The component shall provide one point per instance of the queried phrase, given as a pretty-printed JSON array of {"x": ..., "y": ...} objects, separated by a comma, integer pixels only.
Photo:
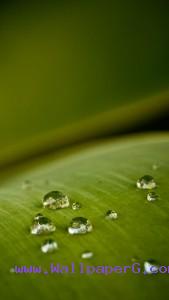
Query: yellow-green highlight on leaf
[{"x": 125, "y": 117}]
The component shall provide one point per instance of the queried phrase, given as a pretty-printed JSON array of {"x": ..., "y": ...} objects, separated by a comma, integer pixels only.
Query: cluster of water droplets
[
  {"x": 147, "y": 182},
  {"x": 42, "y": 225},
  {"x": 54, "y": 200}
]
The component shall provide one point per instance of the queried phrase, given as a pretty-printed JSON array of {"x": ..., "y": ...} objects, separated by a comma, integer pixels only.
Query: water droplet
[
  {"x": 150, "y": 266},
  {"x": 146, "y": 182},
  {"x": 42, "y": 225},
  {"x": 55, "y": 200},
  {"x": 111, "y": 215},
  {"x": 87, "y": 254},
  {"x": 12, "y": 270},
  {"x": 152, "y": 196},
  {"x": 49, "y": 246},
  {"x": 76, "y": 205},
  {"x": 80, "y": 225},
  {"x": 38, "y": 216},
  {"x": 26, "y": 185},
  {"x": 155, "y": 167}
]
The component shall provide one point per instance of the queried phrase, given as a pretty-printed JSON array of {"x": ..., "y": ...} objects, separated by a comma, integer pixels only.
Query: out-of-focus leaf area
[{"x": 71, "y": 70}]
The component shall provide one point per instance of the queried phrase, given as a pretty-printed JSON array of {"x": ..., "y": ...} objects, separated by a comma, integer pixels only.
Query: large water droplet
[
  {"x": 76, "y": 205},
  {"x": 87, "y": 254},
  {"x": 152, "y": 196},
  {"x": 49, "y": 246},
  {"x": 150, "y": 266},
  {"x": 80, "y": 225},
  {"x": 111, "y": 215},
  {"x": 42, "y": 225},
  {"x": 56, "y": 200},
  {"x": 146, "y": 182}
]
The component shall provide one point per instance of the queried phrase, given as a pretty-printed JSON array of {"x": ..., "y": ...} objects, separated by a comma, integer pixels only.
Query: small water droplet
[
  {"x": 56, "y": 200},
  {"x": 38, "y": 216},
  {"x": 150, "y": 266},
  {"x": 146, "y": 182},
  {"x": 80, "y": 225},
  {"x": 111, "y": 215},
  {"x": 76, "y": 205},
  {"x": 155, "y": 167},
  {"x": 49, "y": 246},
  {"x": 87, "y": 254},
  {"x": 12, "y": 270},
  {"x": 152, "y": 196},
  {"x": 42, "y": 225},
  {"x": 26, "y": 185}
]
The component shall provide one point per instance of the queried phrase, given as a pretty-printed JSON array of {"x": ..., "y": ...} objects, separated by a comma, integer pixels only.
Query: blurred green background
[{"x": 67, "y": 68}]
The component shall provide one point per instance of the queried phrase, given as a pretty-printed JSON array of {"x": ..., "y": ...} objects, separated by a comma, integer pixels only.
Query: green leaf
[
  {"x": 64, "y": 65},
  {"x": 100, "y": 177}
]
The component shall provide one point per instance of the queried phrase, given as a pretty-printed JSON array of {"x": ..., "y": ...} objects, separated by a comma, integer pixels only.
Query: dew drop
[
  {"x": 12, "y": 270},
  {"x": 56, "y": 200},
  {"x": 146, "y": 182},
  {"x": 42, "y": 225},
  {"x": 152, "y": 196},
  {"x": 111, "y": 215},
  {"x": 80, "y": 225},
  {"x": 76, "y": 205},
  {"x": 38, "y": 216},
  {"x": 86, "y": 255},
  {"x": 150, "y": 266},
  {"x": 49, "y": 246}
]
